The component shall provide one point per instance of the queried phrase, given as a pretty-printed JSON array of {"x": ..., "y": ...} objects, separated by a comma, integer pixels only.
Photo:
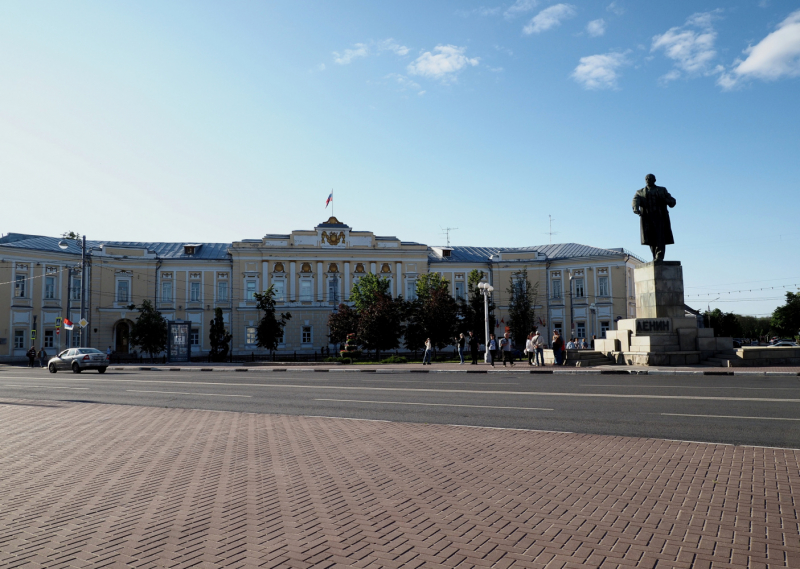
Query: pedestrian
[
  {"x": 491, "y": 347},
  {"x": 538, "y": 346},
  {"x": 42, "y": 358},
  {"x": 529, "y": 348},
  {"x": 31, "y": 356},
  {"x": 558, "y": 347},
  {"x": 108, "y": 353},
  {"x": 593, "y": 339},
  {"x": 461, "y": 341},
  {"x": 505, "y": 346},
  {"x": 571, "y": 345},
  {"x": 584, "y": 346},
  {"x": 473, "y": 348},
  {"x": 428, "y": 351}
]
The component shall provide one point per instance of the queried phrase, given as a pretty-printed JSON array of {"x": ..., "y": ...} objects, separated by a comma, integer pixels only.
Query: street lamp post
[
  {"x": 486, "y": 290},
  {"x": 571, "y": 313},
  {"x": 63, "y": 245}
]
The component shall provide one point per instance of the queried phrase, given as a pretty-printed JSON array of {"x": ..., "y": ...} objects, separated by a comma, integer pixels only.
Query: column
[
  {"x": 292, "y": 268},
  {"x": 264, "y": 274},
  {"x": 320, "y": 282},
  {"x": 346, "y": 291},
  {"x": 372, "y": 268},
  {"x": 398, "y": 286}
]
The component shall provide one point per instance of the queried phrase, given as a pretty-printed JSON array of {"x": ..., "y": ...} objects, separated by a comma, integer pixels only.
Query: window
[
  {"x": 333, "y": 289},
  {"x": 459, "y": 289},
  {"x": 250, "y": 335},
  {"x": 604, "y": 327},
  {"x": 250, "y": 289},
  {"x": 166, "y": 291},
  {"x": 123, "y": 291},
  {"x": 49, "y": 288},
  {"x": 280, "y": 290},
  {"x": 19, "y": 286},
  {"x": 194, "y": 292},
  {"x": 48, "y": 338},
  {"x": 557, "y": 327},
  {"x": 222, "y": 291},
  {"x": 75, "y": 289},
  {"x": 306, "y": 335},
  {"x": 305, "y": 290},
  {"x": 557, "y": 288},
  {"x": 411, "y": 289},
  {"x": 602, "y": 286},
  {"x": 76, "y": 339},
  {"x": 194, "y": 337},
  {"x": 578, "y": 285},
  {"x": 581, "y": 329},
  {"x": 19, "y": 339}
]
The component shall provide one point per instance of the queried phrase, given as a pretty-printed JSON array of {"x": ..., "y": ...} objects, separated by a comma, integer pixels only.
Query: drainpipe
[{"x": 159, "y": 262}]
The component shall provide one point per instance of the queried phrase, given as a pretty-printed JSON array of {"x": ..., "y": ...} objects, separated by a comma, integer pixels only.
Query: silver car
[{"x": 79, "y": 359}]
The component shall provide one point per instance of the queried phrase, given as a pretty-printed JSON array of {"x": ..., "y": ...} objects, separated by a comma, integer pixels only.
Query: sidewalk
[{"x": 84, "y": 485}]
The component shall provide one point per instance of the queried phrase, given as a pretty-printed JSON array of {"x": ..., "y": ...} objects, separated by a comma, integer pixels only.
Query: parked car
[
  {"x": 784, "y": 344},
  {"x": 79, "y": 359}
]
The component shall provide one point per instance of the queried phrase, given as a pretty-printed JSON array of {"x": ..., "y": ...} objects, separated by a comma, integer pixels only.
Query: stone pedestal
[{"x": 661, "y": 334}]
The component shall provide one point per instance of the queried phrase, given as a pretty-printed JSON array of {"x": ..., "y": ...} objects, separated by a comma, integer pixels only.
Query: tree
[
  {"x": 341, "y": 323},
  {"x": 785, "y": 320},
  {"x": 753, "y": 326},
  {"x": 150, "y": 330},
  {"x": 368, "y": 290},
  {"x": 472, "y": 309},
  {"x": 219, "y": 337},
  {"x": 522, "y": 305},
  {"x": 433, "y": 314},
  {"x": 380, "y": 325},
  {"x": 71, "y": 235},
  {"x": 725, "y": 324},
  {"x": 270, "y": 328}
]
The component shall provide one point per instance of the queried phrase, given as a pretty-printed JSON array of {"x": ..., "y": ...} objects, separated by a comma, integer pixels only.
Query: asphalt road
[{"x": 749, "y": 410}]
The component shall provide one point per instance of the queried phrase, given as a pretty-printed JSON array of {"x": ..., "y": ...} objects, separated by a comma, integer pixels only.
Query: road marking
[
  {"x": 186, "y": 393},
  {"x": 42, "y": 386},
  {"x": 450, "y": 391},
  {"x": 690, "y": 386},
  {"x": 731, "y": 417},
  {"x": 437, "y": 404}
]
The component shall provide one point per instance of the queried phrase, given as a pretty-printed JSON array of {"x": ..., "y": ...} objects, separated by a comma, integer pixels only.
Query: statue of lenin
[{"x": 650, "y": 204}]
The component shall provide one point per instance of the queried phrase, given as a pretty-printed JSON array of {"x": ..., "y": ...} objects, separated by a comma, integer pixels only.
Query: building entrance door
[{"x": 122, "y": 334}]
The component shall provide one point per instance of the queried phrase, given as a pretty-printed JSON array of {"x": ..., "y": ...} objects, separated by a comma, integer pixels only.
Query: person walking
[
  {"x": 428, "y": 352},
  {"x": 505, "y": 346},
  {"x": 31, "y": 356},
  {"x": 529, "y": 348},
  {"x": 492, "y": 349},
  {"x": 460, "y": 342},
  {"x": 473, "y": 348},
  {"x": 538, "y": 347},
  {"x": 42, "y": 357},
  {"x": 558, "y": 347}
]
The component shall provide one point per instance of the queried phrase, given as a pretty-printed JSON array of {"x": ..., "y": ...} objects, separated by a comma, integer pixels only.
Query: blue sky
[{"x": 219, "y": 121}]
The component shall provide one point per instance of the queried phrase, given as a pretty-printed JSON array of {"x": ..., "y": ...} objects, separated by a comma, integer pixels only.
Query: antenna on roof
[
  {"x": 551, "y": 232},
  {"x": 446, "y": 231}
]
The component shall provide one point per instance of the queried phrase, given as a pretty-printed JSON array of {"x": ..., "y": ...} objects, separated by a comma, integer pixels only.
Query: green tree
[
  {"x": 522, "y": 306},
  {"x": 270, "y": 328},
  {"x": 472, "y": 308},
  {"x": 785, "y": 320},
  {"x": 71, "y": 235},
  {"x": 219, "y": 337},
  {"x": 725, "y": 324},
  {"x": 150, "y": 330},
  {"x": 753, "y": 326},
  {"x": 433, "y": 314},
  {"x": 368, "y": 290},
  {"x": 380, "y": 325},
  {"x": 341, "y": 323}
]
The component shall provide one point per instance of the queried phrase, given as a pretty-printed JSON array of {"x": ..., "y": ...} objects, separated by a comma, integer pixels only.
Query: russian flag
[
  {"x": 68, "y": 324},
  {"x": 329, "y": 200}
]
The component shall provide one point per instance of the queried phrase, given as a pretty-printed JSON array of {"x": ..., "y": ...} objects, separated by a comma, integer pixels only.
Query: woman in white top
[
  {"x": 529, "y": 349},
  {"x": 428, "y": 351}
]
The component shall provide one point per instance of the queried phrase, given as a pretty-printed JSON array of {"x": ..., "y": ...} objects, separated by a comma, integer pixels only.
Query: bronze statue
[{"x": 650, "y": 204}]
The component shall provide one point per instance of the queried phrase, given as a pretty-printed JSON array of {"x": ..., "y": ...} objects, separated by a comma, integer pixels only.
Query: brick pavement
[{"x": 85, "y": 485}]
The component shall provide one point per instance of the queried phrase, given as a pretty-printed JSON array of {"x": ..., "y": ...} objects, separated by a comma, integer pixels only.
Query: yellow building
[{"x": 312, "y": 272}]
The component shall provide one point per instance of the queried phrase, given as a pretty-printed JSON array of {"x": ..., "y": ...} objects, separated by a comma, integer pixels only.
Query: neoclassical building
[{"x": 581, "y": 288}]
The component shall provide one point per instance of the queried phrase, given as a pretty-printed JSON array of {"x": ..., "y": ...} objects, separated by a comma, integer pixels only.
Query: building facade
[{"x": 580, "y": 288}]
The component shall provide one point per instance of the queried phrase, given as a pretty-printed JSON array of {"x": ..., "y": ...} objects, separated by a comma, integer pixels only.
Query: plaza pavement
[{"x": 87, "y": 485}]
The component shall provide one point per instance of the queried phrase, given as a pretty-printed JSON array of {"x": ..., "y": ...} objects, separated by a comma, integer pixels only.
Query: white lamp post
[
  {"x": 486, "y": 289},
  {"x": 63, "y": 245}
]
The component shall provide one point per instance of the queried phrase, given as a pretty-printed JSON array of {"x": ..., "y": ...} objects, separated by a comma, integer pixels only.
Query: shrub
[{"x": 395, "y": 360}]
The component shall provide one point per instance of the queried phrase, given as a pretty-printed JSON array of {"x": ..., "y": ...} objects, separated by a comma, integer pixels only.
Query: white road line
[
  {"x": 691, "y": 386},
  {"x": 186, "y": 393},
  {"x": 42, "y": 386},
  {"x": 731, "y": 417},
  {"x": 437, "y": 404},
  {"x": 450, "y": 391}
]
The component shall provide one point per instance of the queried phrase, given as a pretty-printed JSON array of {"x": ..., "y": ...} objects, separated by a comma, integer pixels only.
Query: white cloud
[
  {"x": 403, "y": 82},
  {"x": 615, "y": 8},
  {"x": 776, "y": 56},
  {"x": 480, "y": 11},
  {"x": 600, "y": 71},
  {"x": 444, "y": 63},
  {"x": 520, "y": 7},
  {"x": 365, "y": 49},
  {"x": 596, "y": 28},
  {"x": 549, "y": 18},
  {"x": 690, "y": 47}
]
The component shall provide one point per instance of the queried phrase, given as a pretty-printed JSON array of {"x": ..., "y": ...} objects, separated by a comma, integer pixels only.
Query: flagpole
[{"x": 332, "y": 214}]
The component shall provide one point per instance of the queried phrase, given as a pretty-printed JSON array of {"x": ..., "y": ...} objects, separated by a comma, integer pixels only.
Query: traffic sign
[
  {"x": 58, "y": 331},
  {"x": 58, "y": 322},
  {"x": 33, "y": 334},
  {"x": 83, "y": 322}
]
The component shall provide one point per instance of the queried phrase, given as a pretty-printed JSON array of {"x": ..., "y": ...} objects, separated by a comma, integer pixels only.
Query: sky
[{"x": 221, "y": 121}]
